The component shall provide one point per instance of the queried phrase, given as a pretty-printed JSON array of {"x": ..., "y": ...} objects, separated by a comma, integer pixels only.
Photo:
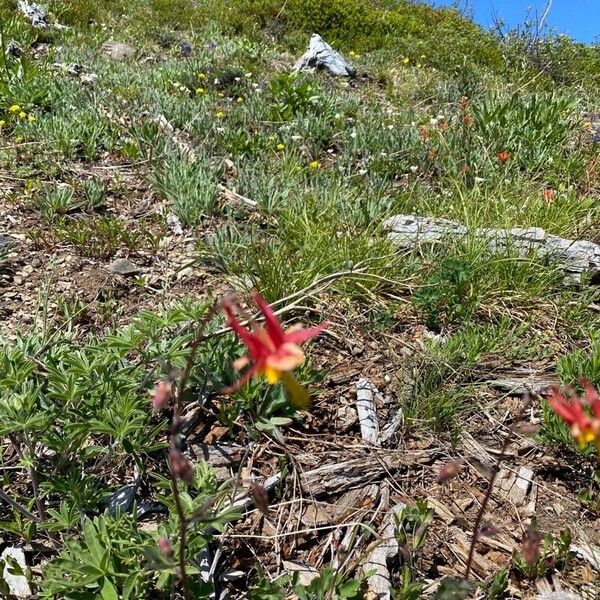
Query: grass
[{"x": 469, "y": 129}]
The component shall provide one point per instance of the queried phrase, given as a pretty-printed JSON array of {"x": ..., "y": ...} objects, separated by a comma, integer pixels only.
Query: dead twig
[{"x": 495, "y": 469}]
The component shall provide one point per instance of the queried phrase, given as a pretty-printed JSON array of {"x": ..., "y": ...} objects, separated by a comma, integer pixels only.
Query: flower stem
[
  {"x": 182, "y": 535},
  {"x": 488, "y": 494}
]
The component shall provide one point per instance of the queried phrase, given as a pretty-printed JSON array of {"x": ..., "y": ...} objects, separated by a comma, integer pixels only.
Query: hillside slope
[{"x": 161, "y": 156}]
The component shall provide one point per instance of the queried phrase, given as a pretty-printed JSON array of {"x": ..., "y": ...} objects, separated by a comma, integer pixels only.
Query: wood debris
[
  {"x": 574, "y": 257},
  {"x": 306, "y": 574},
  {"x": 367, "y": 413},
  {"x": 380, "y": 583},
  {"x": 519, "y": 489},
  {"x": 340, "y": 476}
]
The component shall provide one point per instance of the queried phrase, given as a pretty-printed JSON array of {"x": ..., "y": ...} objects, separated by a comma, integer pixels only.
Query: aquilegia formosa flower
[
  {"x": 585, "y": 426},
  {"x": 272, "y": 352}
]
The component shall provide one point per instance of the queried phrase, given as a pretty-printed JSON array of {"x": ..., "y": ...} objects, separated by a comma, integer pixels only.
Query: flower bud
[
  {"x": 165, "y": 546},
  {"x": 161, "y": 395},
  {"x": 530, "y": 545},
  {"x": 449, "y": 471},
  {"x": 259, "y": 495},
  {"x": 180, "y": 466}
]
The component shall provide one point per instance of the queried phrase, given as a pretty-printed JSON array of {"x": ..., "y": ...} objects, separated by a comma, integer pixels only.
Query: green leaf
[
  {"x": 349, "y": 589},
  {"x": 130, "y": 585},
  {"x": 91, "y": 539},
  {"x": 162, "y": 580},
  {"x": 128, "y": 446},
  {"x": 91, "y": 571},
  {"x": 108, "y": 591}
]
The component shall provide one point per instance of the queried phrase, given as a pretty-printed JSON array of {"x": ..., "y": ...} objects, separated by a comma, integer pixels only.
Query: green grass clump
[
  {"x": 190, "y": 185},
  {"x": 443, "y": 391}
]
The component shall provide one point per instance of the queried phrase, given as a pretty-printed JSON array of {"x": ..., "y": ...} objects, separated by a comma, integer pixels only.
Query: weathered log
[
  {"x": 573, "y": 257},
  {"x": 343, "y": 474},
  {"x": 321, "y": 55}
]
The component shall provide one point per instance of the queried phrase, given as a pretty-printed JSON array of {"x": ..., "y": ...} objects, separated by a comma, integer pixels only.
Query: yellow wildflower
[
  {"x": 2, "y": 123},
  {"x": 423, "y": 57},
  {"x": 15, "y": 108},
  {"x": 31, "y": 118},
  {"x": 406, "y": 60},
  {"x": 221, "y": 95},
  {"x": 352, "y": 53},
  {"x": 315, "y": 164},
  {"x": 22, "y": 114},
  {"x": 220, "y": 114},
  {"x": 280, "y": 146},
  {"x": 201, "y": 76},
  {"x": 200, "y": 90},
  {"x": 419, "y": 65},
  {"x": 240, "y": 100}
]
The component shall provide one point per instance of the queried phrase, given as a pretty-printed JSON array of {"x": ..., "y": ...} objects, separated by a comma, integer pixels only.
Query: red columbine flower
[
  {"x": 503, "y": 156},
  {"x": 272, "y": 352},
  {"x": 585, "y": 427}
]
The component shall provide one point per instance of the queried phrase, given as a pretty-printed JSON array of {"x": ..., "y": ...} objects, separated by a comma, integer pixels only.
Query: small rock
[
  {"x": 14, "y": 49},
  {"x": 88, "y": 78},
  {"x": 185, "y": 273},
  {"x": 123, "y": 266},
  {"x": 6, "y": 241},
  {"x": 306, "y": 573},
  {"x": 321, "y": 55},
  {"x": 174, "y": 224},
  {"x": 17, "y": 584},
  {"x": 35, "y": 13},
  {"x": 118, "y": 50}
]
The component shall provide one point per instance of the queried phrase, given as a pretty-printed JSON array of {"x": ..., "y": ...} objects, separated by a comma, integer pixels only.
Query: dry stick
[
  {"x": 34, "y": 481},
  {"x": 488, "y": 494},
  {"x": 32, "y": 474},
  {"x": 4, "y": 496}
]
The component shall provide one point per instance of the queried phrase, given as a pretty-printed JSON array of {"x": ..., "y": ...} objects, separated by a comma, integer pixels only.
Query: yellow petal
[
  {"x": 297, "y": 394},
  {"x": 272, "y": 375}
]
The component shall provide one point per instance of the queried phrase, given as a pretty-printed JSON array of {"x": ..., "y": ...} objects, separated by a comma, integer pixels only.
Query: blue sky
[{"x": 578, "y": 18}]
